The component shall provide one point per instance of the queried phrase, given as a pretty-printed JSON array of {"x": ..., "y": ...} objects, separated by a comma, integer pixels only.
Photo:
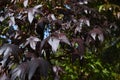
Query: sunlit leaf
[
  {"x": 100, "y": 8},
  {"x": 54, "y": 42},
  {"x": 20, "y": 71},
  {"x": 30, "y": 15},
  {"x": 25, "y": 3},
  {"x": 32, "y": 41},
  {"x": 31, "y": 12},
  {"x": 97, "y": 33}
]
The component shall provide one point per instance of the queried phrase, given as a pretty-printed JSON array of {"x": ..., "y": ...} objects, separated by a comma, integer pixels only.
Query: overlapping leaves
[
  {"x": 72, "y": 22},
  {"x": 54, "y": 40},
  {"x": 32, "y": 41},
  {"x": 8, "y": 50},
  {"x": 29, "y": 68}
]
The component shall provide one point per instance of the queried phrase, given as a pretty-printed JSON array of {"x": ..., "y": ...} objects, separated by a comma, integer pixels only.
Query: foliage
[{"x": 59, "y": 39}]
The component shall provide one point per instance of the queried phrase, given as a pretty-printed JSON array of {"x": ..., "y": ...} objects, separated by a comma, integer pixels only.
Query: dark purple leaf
[
  {"x": 54, "y": 42},
  {"x": 97, "y": 33},
  {"x": 31, "y": 12},
  {"x": 7, "y": 50},
  {"x": 32, "y": 41},
  {"x": 20, "y": 71},
  {"x": 29, "y": 68},
  {"x": 57, "y": 37},
  {"x": 64, "y": 39}
]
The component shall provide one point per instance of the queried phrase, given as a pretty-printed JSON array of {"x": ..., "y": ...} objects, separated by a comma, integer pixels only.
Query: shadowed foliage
[{"x": 59, "y": 40}]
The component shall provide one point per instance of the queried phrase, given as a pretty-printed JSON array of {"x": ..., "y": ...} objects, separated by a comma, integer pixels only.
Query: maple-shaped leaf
[
  {"x": 97, "y": 33},
  {"x": 29, "y": 68},
  {"x": 20, "y": 71},
  {"x": 79, "y": 48},
  {"x": 31, "y": 12},
  {"x": 32, "y": 41},
  {"x": 54, "y": 40},
  {"x": 63, "y": 38},
  {"x": 8, "y": 50},
  {"x": 82, "y": 21}
]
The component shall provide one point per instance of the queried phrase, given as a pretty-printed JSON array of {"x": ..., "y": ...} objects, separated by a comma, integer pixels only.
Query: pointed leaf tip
[
  {"x": 54, "y": 42},
  {"x": 30, "y": 15},
  {"x": 25, "y": 3}
]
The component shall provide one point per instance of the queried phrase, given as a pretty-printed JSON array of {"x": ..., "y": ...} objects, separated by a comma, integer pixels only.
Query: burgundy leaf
[
  {"x": 9, "y": 49},
  {"x": 97, "y": 33},
  {"x": 56, "y": 38},
  {"x": 63, "y": 38},
  {"x": 32, "y": 41},
  {"x": 40, "y": 63},
  {"x": 54, "y": 42},
  {"x": 43, "y": 42},
  {"x": 83, "y": 21},
  {"x": 29, "y": 68},
  {"x": 20, "y": 71},
  {"x": 31, "y": 12}
]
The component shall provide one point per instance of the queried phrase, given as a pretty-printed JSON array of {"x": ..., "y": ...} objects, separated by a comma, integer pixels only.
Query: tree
[{"x": 59, "y": 39}]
